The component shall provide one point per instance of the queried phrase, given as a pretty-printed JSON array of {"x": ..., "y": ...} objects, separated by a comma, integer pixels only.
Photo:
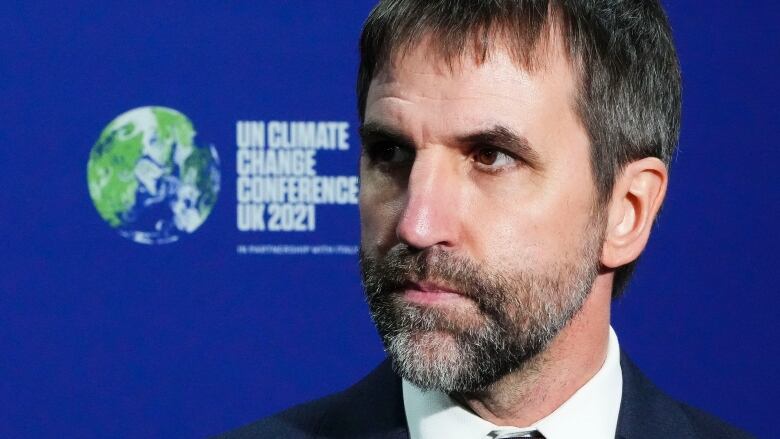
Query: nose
[{"x": 431, "y": 214}]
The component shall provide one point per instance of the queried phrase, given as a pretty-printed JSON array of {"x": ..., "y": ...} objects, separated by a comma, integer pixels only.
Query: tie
[{"x": 515, "y": 434}]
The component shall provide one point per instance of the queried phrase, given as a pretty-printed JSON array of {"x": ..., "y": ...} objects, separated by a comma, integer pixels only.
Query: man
[{"x": 515, "y": 156}]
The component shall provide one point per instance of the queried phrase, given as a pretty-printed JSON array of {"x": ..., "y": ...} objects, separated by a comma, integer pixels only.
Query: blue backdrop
[{"x": 103, "y": 337}]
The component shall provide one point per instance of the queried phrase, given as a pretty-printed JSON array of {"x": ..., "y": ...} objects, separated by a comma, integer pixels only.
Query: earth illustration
[{"x": 148, "y": 179}]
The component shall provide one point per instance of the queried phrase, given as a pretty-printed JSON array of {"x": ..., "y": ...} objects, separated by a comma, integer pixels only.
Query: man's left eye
[{"x": 493, "y": 158}]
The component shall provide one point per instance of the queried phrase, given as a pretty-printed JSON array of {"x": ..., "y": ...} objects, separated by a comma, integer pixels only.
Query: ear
[{"x": 636, "y": 198}]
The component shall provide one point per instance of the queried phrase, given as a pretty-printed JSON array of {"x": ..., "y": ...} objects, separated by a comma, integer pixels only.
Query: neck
[{"x": 538, "y": 388}]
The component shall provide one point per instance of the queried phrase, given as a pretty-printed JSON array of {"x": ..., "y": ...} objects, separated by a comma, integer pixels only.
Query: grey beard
[{"x": 520, "y": 313}]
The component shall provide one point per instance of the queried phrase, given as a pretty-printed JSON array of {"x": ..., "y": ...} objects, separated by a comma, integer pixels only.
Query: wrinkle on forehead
[{"x": 423, "y": 63}]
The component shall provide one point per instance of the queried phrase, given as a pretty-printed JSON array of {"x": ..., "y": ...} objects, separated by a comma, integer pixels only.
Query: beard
[{"x": 511, "y": 317}]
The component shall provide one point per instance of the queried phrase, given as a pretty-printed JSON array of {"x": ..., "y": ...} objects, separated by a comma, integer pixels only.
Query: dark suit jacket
[{"x": 373, "y": 409}]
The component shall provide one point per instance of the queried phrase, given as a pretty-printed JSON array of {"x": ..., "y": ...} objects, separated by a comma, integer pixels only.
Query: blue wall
[{"x": 103, "y": 337}]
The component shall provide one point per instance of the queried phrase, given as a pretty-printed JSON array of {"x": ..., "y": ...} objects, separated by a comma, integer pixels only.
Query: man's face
[{"x": 480, "y": 237}]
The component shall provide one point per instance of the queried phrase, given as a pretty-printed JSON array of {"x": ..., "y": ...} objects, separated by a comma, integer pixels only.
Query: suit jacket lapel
[
  {"x": 371, "y": 409},
  {"x": 645, "y": 411}
]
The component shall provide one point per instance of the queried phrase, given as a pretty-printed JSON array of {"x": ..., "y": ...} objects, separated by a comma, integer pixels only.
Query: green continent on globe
[
  {"x": 173, "y": 128},
  {"x": 112, "y": 184}
]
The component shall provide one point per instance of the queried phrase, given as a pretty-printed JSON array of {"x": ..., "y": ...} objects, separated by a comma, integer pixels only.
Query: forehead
[{"x": 420, "y": 86}]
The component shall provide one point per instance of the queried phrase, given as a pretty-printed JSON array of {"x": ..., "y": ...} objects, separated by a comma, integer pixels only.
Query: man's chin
[
  {"x": 430, "y": 359},
  {"x": 451, "y": 359},
  {"x": 435, "y": 346}
]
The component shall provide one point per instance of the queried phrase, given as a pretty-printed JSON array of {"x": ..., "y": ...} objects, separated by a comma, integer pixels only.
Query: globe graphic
[{"x": 148, "y": 179}]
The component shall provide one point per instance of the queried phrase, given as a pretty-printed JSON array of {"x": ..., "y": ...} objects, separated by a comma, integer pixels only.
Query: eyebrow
[
  {"x": 371, "y": 131},
  {"x": 502, "y": 137},
  {"x": 497, "y": 136}
]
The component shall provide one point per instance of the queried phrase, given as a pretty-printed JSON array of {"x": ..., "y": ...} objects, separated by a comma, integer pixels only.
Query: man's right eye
[{"x": 389, "y": 153}]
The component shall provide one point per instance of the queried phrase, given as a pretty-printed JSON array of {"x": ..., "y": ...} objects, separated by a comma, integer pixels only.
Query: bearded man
[{"x": 515, "y": 156}]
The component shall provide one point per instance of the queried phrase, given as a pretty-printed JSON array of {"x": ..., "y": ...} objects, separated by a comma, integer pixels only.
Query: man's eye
[
  {"x": 493, "y": 158},
  {"x": 389, "y": 153}
]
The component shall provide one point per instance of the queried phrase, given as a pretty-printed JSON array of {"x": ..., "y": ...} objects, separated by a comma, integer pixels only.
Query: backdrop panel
[{"x": 112, "y": 113}]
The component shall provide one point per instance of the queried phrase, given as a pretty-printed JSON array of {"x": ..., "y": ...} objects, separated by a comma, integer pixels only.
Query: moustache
[{"x": 392, "y": 273}]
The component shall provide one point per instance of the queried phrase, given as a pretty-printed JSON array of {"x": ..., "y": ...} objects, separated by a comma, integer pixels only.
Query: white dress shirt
[{"x": 590, "y": 413}]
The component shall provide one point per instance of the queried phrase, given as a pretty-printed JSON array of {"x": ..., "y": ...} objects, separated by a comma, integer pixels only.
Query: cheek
[
  {"x": 507, "y": 240},
  {"x": 380, "y": 210},
  {"x": 533, "y": 230}
]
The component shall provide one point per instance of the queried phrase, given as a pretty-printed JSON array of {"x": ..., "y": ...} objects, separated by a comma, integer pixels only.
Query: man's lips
[{"x": 429, "y": 292}]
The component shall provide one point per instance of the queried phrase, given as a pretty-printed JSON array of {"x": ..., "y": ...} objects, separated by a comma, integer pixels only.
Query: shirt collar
[{"x": 590, "y": 413}]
